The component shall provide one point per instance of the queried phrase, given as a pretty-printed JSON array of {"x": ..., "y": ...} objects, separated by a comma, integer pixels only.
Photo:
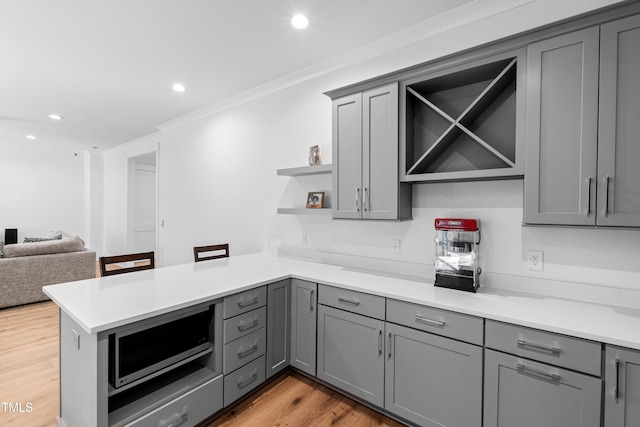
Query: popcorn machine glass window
[{"x": 457, "y": 243}]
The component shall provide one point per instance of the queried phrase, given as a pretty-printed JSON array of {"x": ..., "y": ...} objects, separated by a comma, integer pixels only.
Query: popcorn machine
[{"x": 457, "y": 243}]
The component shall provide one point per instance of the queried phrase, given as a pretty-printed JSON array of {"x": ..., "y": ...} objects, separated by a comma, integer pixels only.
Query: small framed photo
[{"x": 315, "y": 199}]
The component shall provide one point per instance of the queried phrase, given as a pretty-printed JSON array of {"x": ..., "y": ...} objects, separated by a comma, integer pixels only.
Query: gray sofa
[{"x": 26, "y": 267}]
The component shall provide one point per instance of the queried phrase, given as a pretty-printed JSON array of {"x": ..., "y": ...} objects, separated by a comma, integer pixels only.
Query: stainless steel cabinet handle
[
  {"x": 364, "y": 198},
  {"x": 555, "y": 351},
  {"x": 429, "y": 321},
  {"x": 357, "y": 200},
  {"x": 389, "y": 348},
  {"x": 311, "y": 300},
  {"x": 617, "y": 391},
  {"x": 348, "y": 301},
  {"x": 589, "y": 196},
  {"x": 253, "y": 324},
  {"x": 242, "y": 385},
  {"x": 243, "y": 304},
  {"x": 380, "y": 342},
  {"x": 543, "y": 375},
  {"x": 175, "y": 420},
  {"x": 606, "y": 198},
  {"x": 243, "y": 354}
]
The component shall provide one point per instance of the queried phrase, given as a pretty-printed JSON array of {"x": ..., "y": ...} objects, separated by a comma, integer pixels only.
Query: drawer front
[
  {"x": 244, "y": 324},
  {"x": 242, "y": 381},
  {"x": 441, "y": 322},
  {"x": 188, "y": 409},
  {"x": 554, "y": 349},
  {"x": 353, "y": 301},
  {"x": 244, "y": 350},
  {"x": 244, "y": 301}
]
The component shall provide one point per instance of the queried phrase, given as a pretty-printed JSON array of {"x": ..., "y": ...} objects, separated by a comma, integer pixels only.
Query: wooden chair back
[
  {"x": 137, "y": 259},
  {"x": 221, "y": 251}
]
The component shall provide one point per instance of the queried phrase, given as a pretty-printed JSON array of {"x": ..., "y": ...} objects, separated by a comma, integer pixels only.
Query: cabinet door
[
  {"x": 350, "y": 353},
  {"x": 347, "y": 156},
  {"x": 432, "y": 380},
  {"x": 622, "y": 388},
  {"x": 522, "y": 393},
  {"x": 561, "y": 130},
  {"x": 380, "y": 153},
  {"x": 278, "y": 326},
  {"x": 619, "y": 133},
  {"x": 303, "y": 325}
]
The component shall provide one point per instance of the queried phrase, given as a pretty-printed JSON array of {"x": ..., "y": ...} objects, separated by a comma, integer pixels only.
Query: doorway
[{"x": 142, "y": 203}]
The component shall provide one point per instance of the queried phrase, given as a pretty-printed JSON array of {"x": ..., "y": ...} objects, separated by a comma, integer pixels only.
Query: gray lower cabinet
[
  {"x": 278, "y": 326},
  {"x": 304, "y": 298},
  {"x": 432, "y": 380},
  {"x": 351, "y": 353},
  {"x": 622, "y": 387},
  {"x": 520, "y": 392}
]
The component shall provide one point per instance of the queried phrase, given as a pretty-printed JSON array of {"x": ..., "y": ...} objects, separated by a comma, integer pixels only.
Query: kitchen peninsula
[{"x": 569, "y": 337}]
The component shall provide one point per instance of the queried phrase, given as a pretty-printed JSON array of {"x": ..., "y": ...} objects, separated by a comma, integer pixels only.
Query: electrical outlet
[
  {"x": 395, "y": 246},
  {"x": 303, "y": 238},
  {"x": 535, "y": 260}
]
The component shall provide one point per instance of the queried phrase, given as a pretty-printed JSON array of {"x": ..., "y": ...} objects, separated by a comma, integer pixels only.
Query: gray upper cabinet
[
  {"x": 619, "y": 132},
  {"x": 583, "y": 101},
  {"x": 278, "y": 326},
  {"x": 622, "y": 391},
  {"x": 365, "y": 156},
  {"x": 304, "y": 299}
]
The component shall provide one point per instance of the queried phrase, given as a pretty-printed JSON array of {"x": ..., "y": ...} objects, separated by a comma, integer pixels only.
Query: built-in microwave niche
[{"x": 464, "y": 122}]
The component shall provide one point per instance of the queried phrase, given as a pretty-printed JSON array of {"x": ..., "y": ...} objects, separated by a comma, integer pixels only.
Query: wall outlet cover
[{"x": 535, "y": 260}]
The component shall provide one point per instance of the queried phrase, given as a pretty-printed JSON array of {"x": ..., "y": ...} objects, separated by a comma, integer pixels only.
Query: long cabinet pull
[
  {"x": 606, "y": 194},
  {"x": 380, "y": 342},
  {"x": 589, "y": 196},
  {"x": 533, "y": 372},
  {"x": 364, "y": 198},
  {"x": 175, "y": 420},
  {"x": 555, "y": 351},
  {"x": 243, "y": 354},
  {"x": 430, "y": 321},
  {"x": 243, "y": 328},
  {"x": 389, "y": 348},
  {"x": 357, "y": 200},
  {"x": 252, "y": 301},
  {"x": 311, "y": 300},
  {"x": 617, "y": 391},
  {"x": 348, "y": 301},
  {"x": 242, "y": 385}
]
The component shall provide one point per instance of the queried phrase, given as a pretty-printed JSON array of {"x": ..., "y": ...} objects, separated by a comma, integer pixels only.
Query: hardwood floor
[{"x": 29, "y": 376}]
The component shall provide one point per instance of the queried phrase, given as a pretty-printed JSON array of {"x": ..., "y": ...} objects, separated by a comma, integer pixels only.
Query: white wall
[
  {"x": 218, "y": 179},
  {"x": 41, "y": 191}
]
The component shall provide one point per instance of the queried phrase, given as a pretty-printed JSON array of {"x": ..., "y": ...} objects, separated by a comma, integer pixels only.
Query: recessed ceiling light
[
  {"x": 178, "y": 87},
  {"x": 31, "y": 137},
  {"x": 300, "y": 22},
  {"x": 55, "y": 116}
]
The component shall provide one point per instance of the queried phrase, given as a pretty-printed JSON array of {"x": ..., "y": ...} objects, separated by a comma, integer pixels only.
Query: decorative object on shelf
[
  {"x": 314, "y": 156},
  {"x": 315, "y": 199}
]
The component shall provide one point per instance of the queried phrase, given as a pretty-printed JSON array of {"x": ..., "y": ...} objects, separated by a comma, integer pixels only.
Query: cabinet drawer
[
  {"x": 244, "y": 301},
  {"x": 244, "y": 324},
  {"x": 244, "y": 350},
  {"x": 188, "y": 409},
  {"x": 354, "y": 301},
  {"x": 242, "y": 381},
  {"x": 441, "y": 322},
  {"x": 555, "y": 349}
]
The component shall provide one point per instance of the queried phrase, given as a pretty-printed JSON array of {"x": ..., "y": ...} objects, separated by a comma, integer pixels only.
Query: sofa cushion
[
  {"x": 73, "y": 244},
  {"x": 42, "y": 239}
]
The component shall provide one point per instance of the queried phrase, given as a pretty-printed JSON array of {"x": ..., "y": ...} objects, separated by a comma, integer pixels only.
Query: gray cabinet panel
[
  {"x": 562, "y": 121},
  {"x": 303, "y": 325},
  {"x": 244, "y": 324},
  {"x": 535, "y": 394},
  {"x": 347, "y": 156},
  {"x": 350, "y": 353},
  {"x": 244, "y": 301},
  {"x": 431, "y": 380},
  {"x": 278, "y": 326},
  {"x": 622, "y": 388},
  {"x": 243, "y": 380},
  {"x": 244, "y": 350},
  {"x": 618, "y": 140},
  {"x": 354, "y": 301}
]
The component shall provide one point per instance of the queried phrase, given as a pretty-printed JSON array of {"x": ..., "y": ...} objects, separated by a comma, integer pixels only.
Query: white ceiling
[{"x": 107, "y": 66}]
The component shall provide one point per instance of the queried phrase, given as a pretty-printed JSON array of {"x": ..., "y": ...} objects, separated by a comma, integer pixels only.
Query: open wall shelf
[{"x": 464, "y": 123}]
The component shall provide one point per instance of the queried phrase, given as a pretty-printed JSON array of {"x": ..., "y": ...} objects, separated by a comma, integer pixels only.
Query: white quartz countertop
[{"x": 104, "y": 303}]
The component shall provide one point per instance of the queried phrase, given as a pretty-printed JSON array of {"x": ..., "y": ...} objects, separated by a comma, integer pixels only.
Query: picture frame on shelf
[{"x": 315, "y": 199}]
